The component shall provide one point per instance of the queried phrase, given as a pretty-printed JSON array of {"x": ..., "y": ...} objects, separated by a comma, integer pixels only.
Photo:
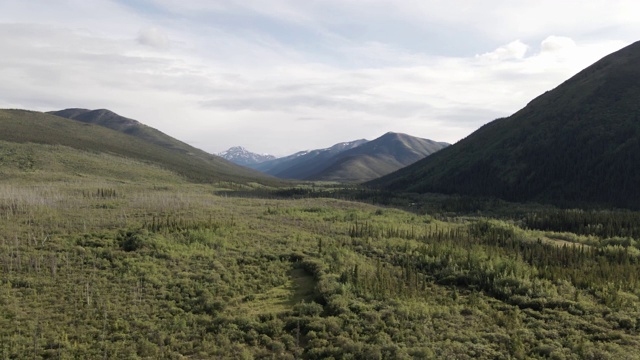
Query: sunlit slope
[
  {"x": 111, "y": 120},
  {"x": 34, "y": 163},
  {"x": 23, "y": 126}
]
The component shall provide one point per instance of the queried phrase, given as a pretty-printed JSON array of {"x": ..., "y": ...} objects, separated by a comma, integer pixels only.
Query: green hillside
[
  {"x": 22, "y": 126},
  {"x": 34, "y": 163},
  {"x": 131, "y": 127},
  {"x": 577, "y": 144},
  {"x": 106, "y": 255}
]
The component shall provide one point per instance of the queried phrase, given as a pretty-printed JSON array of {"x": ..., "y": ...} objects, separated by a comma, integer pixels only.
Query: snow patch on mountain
[{"x": 244, "y": 157}]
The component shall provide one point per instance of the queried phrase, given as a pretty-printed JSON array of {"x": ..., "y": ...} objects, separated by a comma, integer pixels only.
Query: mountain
[
  {"x": 301, "y": 164},
  {"x": 576, "y": 144},
  {"x": 130, "y": 140},
  {"x": 241, "y": 156},
  {"x": 353, "y": 161},
  {"x": 111, "y": 120},
  {"x": 388, "y": 153},
  {"x": 26, "y": 162}
]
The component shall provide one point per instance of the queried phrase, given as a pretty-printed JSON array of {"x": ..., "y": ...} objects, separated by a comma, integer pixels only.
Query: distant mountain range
[
  {"x": 301, "y": 164},
  {"x": 577, "y": 144},
  {"x": 241, "y": 156},
  {"x": 105, "y": 131},
  {"x": 102, "y": 131},
  {"x": 353, "y": 161}
]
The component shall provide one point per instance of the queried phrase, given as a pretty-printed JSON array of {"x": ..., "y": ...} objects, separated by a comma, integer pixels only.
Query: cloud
[
  {"x": 153, "y": 37},
  {"x": 209, "y": 103},
  {"x": 513, "y": 50},
  {"x": 284, "y": 75},
  {"x": 557, "y": 43}
]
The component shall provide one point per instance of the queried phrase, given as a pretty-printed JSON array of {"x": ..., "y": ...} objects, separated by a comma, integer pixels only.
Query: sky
[{"x": 280, "y": 76}]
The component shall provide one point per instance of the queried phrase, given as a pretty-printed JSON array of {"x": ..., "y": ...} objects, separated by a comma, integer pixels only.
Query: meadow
[{"x": 144, "y": 265}]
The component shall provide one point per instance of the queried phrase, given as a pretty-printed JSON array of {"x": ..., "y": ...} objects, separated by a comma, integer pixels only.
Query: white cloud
[
  {"x": 154, "y": 37},
  {"x": 557, "y": 43},
  {"x": 513, "y": 50},
  {"x": 246, "y": 73}
]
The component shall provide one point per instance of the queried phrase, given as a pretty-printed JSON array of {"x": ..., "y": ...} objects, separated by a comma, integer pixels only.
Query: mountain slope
[
  {"x": 30, "y": 162},
  {"x": 579, "y": 143},
  {"x": 21, "y": 126},
  {"x": 376, "y": 158},
  {"x": 243, "y": 157},
  {"x": 301, "y": 164},
  {"x": 111, "y": 120}
]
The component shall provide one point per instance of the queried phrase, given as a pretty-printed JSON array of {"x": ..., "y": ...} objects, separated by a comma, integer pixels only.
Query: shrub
[
  {"x": 308, "y": 309},
  {"x": 134, "y": 240}
]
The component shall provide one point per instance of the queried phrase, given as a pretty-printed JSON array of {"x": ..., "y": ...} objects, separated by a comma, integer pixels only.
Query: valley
[
  {"x": 167, "y": 269},
  {"x": 521, "y": 241}
]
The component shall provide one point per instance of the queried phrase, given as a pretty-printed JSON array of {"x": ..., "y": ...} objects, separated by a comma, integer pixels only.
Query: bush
[
  {"x": 308, "y": 309},
  {"x": 134, "y": 240}
]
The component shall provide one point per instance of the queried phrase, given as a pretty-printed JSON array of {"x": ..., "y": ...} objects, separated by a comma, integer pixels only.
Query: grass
[
  {"x": 171, "y": 270},
  {"x": 300, "y": 287},
  {"x": 28, "y": 162},
  {"x": 20, "y": 126},
  {"x": 109, "y": 257}
]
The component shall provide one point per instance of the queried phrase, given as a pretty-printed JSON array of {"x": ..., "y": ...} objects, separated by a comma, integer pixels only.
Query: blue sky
[{"x": 281, "y": 76}]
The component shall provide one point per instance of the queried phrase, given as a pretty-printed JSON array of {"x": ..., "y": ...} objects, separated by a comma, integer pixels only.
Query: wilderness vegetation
[
  {"x": 107, "y": 257},
  {"x": 106, "y": 252}
]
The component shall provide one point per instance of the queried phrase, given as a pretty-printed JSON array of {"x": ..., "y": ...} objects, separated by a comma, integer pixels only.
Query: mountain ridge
[
  {"x": 23, "y": 126},
  {"x": 575, "y": 144},
  {"x": 353, "y": 161},
  {"x": 378, "y": 157},
  {"x": 111, "y": 120},
  {"x": 295, "y": 166},
  {"x": 241, "y": 156}
]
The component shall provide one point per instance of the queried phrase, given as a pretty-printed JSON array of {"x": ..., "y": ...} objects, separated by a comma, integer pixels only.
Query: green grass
[
  {"x": 29, "y": 162},
  {"x": 105, "y": 256},
  {"x": 96, "y": 267},
  {"x": 299, "y": 288},
  {"x": 20, "y": 126}
]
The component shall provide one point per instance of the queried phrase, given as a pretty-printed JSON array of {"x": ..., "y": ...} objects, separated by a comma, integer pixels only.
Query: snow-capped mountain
[{"x": 244, "y": 157}]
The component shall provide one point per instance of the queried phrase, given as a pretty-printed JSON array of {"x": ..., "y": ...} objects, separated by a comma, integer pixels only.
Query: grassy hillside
[
  {"x": 33, "y": 163},
  {"x": 131, "y": 127},
  {"x": 106, "y": 269},
  {"x": 22, "y": 126},
  {"x": 577, "y": 144}
]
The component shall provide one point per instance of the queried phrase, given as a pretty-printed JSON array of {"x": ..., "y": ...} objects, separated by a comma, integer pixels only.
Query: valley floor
[{"x": 130, "y": 271}]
